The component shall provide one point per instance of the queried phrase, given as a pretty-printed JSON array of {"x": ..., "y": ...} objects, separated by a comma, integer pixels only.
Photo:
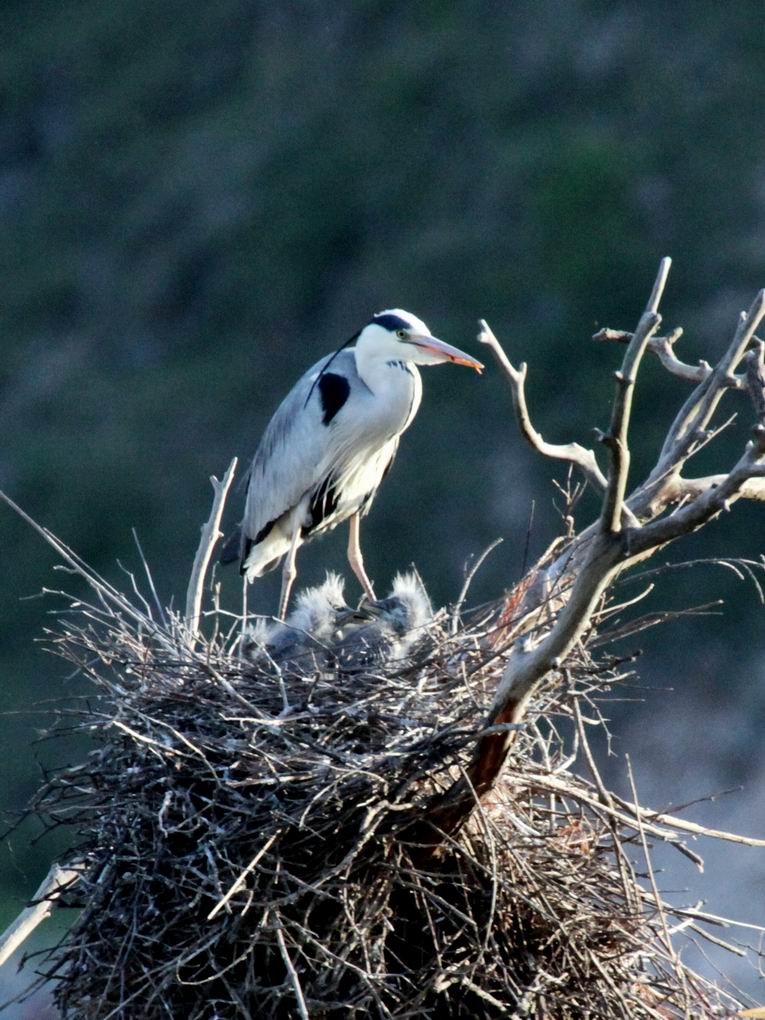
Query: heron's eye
[{"x": 401, "y": 334}]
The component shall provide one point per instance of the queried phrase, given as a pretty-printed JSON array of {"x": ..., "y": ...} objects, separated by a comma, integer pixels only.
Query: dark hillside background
[{"x": 199, "y": 200}]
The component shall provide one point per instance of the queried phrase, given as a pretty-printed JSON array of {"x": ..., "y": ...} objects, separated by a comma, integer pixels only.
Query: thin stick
[
  {"x": 572, "y": 452},
  {"x": 237, "y": 885},
  {"x": 468, "y": 581},
  {"x": 210, "y": 535},
  {"x": 754, "y": 371},
  {"x": 616, "y": 438},
  {"x": 658, "y": 902},
  {"x": 149, "y": 578},
  {"x": 651, "y": 819},
  {"x": 663, "y": 348},
  {"x": 295, "y": 980}
]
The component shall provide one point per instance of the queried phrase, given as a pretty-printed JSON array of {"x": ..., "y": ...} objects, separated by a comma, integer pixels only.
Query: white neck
[
  {"x": 369, "y": 365},
  {"x": 374, "y": 350},
  {"x": 398, "y": 389}
]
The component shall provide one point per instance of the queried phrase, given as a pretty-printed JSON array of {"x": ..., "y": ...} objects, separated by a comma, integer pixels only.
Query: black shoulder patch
[
  {"x": 333, "y": 390},
  {"x": 391, "y": 322}
]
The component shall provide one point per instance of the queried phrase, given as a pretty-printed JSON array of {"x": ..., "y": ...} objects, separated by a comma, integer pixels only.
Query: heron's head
[
  {"x": 396, "y": 335},
  {"x": 318, "y": 608},
  {"x": 407, "y": 609}
]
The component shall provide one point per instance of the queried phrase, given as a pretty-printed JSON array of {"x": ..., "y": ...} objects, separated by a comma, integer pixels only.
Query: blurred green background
[{"x": 199, "y": 200}]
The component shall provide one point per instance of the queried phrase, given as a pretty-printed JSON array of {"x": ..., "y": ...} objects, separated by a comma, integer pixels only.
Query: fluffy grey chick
[
  {"x": 387, "y": 629},
  {"x": 309, "y": 632}
]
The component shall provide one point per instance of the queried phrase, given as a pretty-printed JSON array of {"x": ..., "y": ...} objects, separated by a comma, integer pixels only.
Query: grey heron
[{"x": 331, "y": 442}]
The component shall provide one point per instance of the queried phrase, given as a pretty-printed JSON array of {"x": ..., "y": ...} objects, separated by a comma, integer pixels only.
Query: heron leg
[
  {"x": 243, "y": 635},
  {"x": 355, "y": 558},
  {"x": 289, "y": 573}
]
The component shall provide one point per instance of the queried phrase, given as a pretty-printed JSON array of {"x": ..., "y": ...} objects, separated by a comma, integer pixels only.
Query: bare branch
[
  {"x": 616, "y": 439},
  {"x": 707, "y": 505},
  {"x": 293, "y": 974},
  {"x": 697, "y": 411},
  {"x": 571, "y": 452},
  {"x": 653, "y": 820},
  {"x": 242, "y": 877},
  {"x": 754, "y": 371},
  {"x": 584, "y": 571},
  {"x": 57, "y": 880},
  {"x": 663, "y": 348},
  {"x": 690, "y": 488},
  {"x": 210, "y": 535}
]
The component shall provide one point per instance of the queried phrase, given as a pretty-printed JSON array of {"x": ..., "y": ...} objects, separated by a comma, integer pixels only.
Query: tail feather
[{"x": 232, "y": 547}]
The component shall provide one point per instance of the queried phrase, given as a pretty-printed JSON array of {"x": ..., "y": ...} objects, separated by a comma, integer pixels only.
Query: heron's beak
[
  {"x": 364, "y": 614},
  {"x": 447, "y": 352}
]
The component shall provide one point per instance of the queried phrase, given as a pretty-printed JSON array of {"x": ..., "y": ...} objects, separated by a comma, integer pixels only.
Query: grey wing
[{"x": 293, "y": 453}]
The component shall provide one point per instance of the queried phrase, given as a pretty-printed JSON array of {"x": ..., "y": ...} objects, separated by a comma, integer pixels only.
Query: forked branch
[
  {"x": 583, "y": 458},
  {"x": 589, "y": 564},
  {"x": 616, "y": 438},
  {"x": 664, "y": 349}
]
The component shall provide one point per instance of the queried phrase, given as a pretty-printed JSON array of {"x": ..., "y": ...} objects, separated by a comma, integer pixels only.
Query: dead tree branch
[
  {"x": 583, "y": 572},
  {"x": 688, "y": 428},
  {"x": 583, "y": 458},
  {"x": 616, "y": 438},
  {"x": 664, "y": 348},
  {"x": 210, "y": 535},
  {"x": 754, "y": 370}
]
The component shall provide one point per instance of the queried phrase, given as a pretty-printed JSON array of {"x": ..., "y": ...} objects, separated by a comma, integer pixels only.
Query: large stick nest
[{"x": 253, "y": 839}]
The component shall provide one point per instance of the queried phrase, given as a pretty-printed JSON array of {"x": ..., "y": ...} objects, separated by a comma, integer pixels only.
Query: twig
[
  {"x": 468, "y": 581},
  {"x": 237, "y": 885},
  {"x": 210, "y": 535},
  {"x": 663, "y": 348},
  {"x": 616, "y": 438},
  {"x": 657, "y": 900},
  {"x": 754, "y": 372},
  {"x": 702, "y": 403},
  {"x": 572, "y": 452},
  {"x": 707, "y": 505},
  {"x": 293, "y": 974},
  {"x": 149, "y": 578}
]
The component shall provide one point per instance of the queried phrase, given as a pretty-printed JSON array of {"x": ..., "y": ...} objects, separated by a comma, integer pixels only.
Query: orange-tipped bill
[{"x": 445, "y": 352}]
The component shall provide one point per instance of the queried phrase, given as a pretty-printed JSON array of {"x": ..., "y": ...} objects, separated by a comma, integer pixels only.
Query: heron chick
[
  {"x": 323, "y": 631},
  {"x": 388, "y": 629},
  {"x": 307, "y": 634},
  {"x": 330, "y": 444}
]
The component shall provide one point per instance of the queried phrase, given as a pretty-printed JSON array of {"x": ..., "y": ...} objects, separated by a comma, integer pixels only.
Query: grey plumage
[
  {"x": 395, "y": 626},
  {"x": 320, "y": 474},
  {"x": 305, "y": 638},
  {"x": 331, "y": 442},
  {"x": 323, "y": 632}
]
